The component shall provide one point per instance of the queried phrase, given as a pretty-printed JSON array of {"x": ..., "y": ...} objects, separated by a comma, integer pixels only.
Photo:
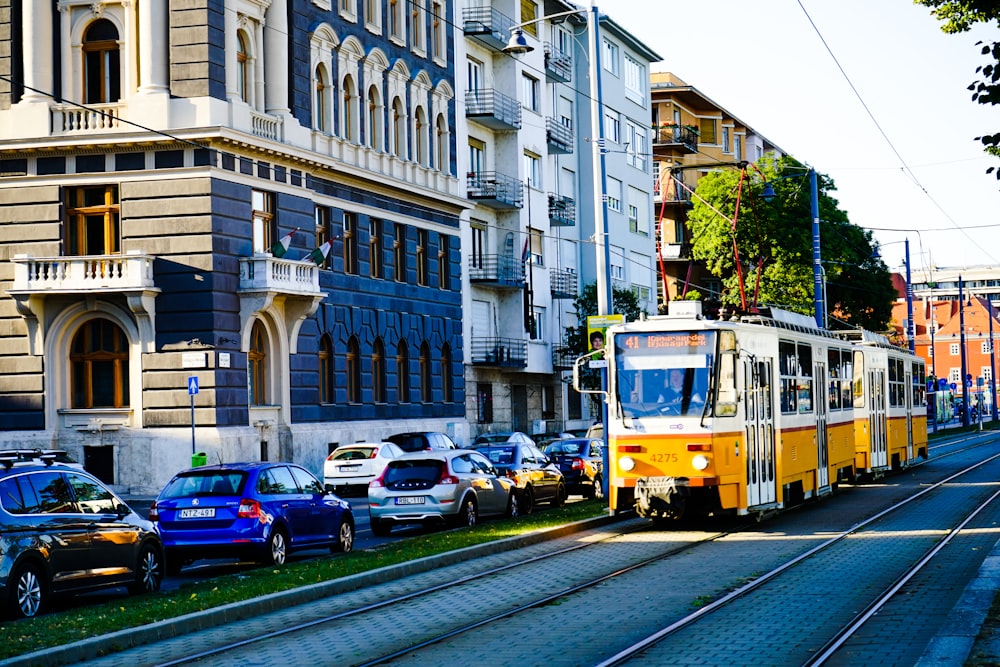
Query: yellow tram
[{"x": 752, "y": 414}]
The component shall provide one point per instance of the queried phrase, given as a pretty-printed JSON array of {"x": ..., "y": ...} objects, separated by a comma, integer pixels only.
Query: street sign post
[{"x": 192, "y": 390}]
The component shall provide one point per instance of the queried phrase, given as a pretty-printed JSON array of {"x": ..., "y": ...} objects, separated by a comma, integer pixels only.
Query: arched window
[
  {"x": 420, "y": 137},
  {"x": 375, "y": 122},
  {"x": 325, "y": 369},
  {"x": 243, "y": 86},
  {"x": 402, "y": 372},
  {"x": 442, "y": 157},
  {"x": 378, "y": 371},
  {"x": 353, "y": 371},
  {"x": 101, "y": 66},
  {"x": 446, "y": 380},
  {"x": 257, "y": 365},
  {"x": 349, "y": 111},
  {"x": 321, "y": 110},
  {"x": 99, "y": 366},
  {"x": 426, "y": 388},
  {"x": 398, "y": 130}
]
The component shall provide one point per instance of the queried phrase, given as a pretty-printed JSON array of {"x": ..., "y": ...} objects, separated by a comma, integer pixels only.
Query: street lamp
[{"x": 961, "y": 342}]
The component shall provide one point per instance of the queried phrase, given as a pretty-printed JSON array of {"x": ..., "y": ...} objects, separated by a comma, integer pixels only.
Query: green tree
[
  {"x": 774, "y": 242},
  {"x": 959, "y": 16}
]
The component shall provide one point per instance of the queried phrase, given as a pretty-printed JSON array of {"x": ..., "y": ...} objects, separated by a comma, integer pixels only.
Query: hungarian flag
[
  {"x": 281, "y": 247},
  {"x": 318, "y": 256},
  {"x": 525, "y": 253}
]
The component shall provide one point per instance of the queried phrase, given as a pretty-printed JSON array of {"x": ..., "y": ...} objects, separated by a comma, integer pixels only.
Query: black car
[
  {"x": 538, "y": 479},
  {"x": 62, "y": 532},
  {"x": 421, "y": 441},
  {"x": 581, "y": 461}
]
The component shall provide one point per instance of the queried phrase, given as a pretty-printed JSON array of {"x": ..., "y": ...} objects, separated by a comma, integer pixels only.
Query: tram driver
[{"x": 679, "y": 391}]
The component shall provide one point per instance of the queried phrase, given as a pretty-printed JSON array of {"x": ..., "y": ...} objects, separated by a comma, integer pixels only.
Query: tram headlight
[
  {"x": 699, "y": 462},
  {"x": 626, "y": 463}
]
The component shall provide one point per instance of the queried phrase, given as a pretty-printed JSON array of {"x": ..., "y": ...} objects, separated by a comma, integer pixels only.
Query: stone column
[
  {"x": 153, "y": 44},
  {"x": 275, "y": 53},
  {"x": 37, "y": 52}
]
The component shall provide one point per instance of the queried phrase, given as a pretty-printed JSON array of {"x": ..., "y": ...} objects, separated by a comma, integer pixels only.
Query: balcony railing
[
  {"x": 558, "y": 64},
  {"x": 562, "y": 358},
  {"x": 562, "y": 211},
  {"x": 559, "y": 136},
  {"x": 487, "y": 25},
  {"x": 563, "y": 283},
  {"x": 264, "y": 273},
  {"x": 490, "y": 107},
  {"x": 267, "y": 127},
  {"x": 495, "y": 190},
  {"x": 499, "y": 352},
  {"x": 92, "y": 273},
  {"x": 71, "y": 119},
  {"x": 678, "y": 136},
  {"x": 496, "y": 270}
]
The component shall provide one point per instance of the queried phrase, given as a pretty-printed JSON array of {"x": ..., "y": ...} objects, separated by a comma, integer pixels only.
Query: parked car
[
  {"x": 543, "y": 439},
  {"x": 581, "y": 461},
  {"x": 419, "y": 441},
  {"x": 537, "y": 478},
  {"x": 352, "y": 467},
  {"x": 499, "y": 438},
  {"x": 258, "y": 511},
  {"x": 62, "y": 532},
  {"x": 456, "y": 486},
  {"x": 40, "y": 457}
]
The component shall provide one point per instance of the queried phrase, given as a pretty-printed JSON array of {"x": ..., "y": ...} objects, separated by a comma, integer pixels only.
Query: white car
[{"x": 355, "y": 465}]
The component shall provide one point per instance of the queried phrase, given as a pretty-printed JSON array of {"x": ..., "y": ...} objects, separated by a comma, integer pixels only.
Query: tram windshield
[{"x": 663, "y": 373}]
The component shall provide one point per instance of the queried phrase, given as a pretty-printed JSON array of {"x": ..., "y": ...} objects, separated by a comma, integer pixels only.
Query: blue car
[{"x": 258, "y": 511}]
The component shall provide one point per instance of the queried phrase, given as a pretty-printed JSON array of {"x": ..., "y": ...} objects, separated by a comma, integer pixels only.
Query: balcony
[
  {"x": 562, "y": 358},
  {"x": 487, "y": 25},
  {"x": 679, "y": 137},
  {"x": 128, "y": 277},
  {"x": 499, "y": 352},
  {"x": 495, "y": 190},
  {"x": 563, "y": 283},
  {"x": 558, "y": 65},
  {"x": 675, "y": 251},
  {"x": 496, "y": 271},
  {"x": 562, "y": 211},
  {"x": 288, "y": 289},
  {"x": 559, "y": 136},
  {"x": 491, "y": 108},
  {"x": 96, "y": 118}
]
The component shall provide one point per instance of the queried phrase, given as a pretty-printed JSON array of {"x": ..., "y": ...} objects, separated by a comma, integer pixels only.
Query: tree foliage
[
  {"x": 774, "y": 242},
  {"x": 959, "y": 16}
]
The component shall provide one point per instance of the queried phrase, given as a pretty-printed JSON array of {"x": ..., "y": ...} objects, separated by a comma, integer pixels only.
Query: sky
[{"x": 901, "y": 149}]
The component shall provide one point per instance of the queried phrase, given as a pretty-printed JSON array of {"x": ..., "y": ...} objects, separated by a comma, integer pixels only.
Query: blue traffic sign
[{"x": 193, "y": 385}]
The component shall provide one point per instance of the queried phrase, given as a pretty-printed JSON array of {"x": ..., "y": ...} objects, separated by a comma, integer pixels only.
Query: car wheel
[
  {"x": 148, "y": 571},
  {"x": 513, "y": 509},
  {"x": 277, "y": 548},
  {"x": 27, "y": 592},
  {"x": 560, "y": 498},
  {"x": 468, "y": 515},
  {"x": 528, "y": 500},
  {"x": 345, "y": 537},
  {"x": 381, "y": 528},
  {"x": 597, "y": 490}
]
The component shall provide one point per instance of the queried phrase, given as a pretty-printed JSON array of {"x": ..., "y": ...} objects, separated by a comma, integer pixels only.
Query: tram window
[
  {"x": 897, "y": 383},
  {"x": 833, "y": 363},
  {"x": 859, "y": 379},
  {"x": 805, "y": 383},
  {"x": 846, "y": 378},
  {"x": 919, "y": 385},
  {"x": 788, "y": 372}
]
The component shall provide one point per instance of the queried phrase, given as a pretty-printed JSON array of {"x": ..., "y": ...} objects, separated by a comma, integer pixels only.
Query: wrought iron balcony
[
  {"x": 559, "y": 136},
  {"x": 496, "y": 271},
  {"x": 676, "y": 136},
  {"x": 562, "y": 358},
  {"x": 490, "y": 107},
  {"x": 558, "y": 64},
  {"x": 487, "y": 25},
  {"x": 563, "y": 283},
  {"x": 495, "y": 190},
  {"x": 562, "y": 211},
  {"x": 499, "y": 352}
]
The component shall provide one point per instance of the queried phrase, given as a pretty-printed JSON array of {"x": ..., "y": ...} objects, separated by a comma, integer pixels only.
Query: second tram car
[{"x": 752, "y": 414}]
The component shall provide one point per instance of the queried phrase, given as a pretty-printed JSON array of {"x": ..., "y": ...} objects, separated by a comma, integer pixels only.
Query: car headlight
[
  {"x": 699, "y": 462},
  {"x": 626, "y": 463}
]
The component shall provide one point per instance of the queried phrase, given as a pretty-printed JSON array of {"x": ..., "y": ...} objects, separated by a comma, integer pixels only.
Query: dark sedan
[
  {"x": 537, "y": 478},
  {"x": 581, "y": 461}
]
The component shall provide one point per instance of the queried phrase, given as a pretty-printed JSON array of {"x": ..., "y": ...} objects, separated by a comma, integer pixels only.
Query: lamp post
[
  {"x": 518, "y": 44},
  {"x": 961, "y": 342}
]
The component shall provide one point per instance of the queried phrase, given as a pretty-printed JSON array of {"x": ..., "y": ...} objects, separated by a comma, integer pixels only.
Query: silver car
[{"x": 455, "y": 486}]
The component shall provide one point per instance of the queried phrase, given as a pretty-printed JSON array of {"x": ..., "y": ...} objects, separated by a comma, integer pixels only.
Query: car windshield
[
  {"x": 501, "y": 456},
  {"x": 355, "y": 453},
  {"x": 424, "y": 470},
  {"x": 206, "y": 483},
  {"x": 663, "y": 373}
]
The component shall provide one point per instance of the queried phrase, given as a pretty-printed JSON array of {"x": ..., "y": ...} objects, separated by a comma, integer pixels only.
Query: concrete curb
[{"x": 101, "y": 645}]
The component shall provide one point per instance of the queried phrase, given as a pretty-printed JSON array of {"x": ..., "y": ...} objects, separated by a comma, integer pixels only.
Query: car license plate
[
  {"x": 198, "y": 513},
  {"x": 410, "y": 500},
  {"x": 349, "y": 468}
]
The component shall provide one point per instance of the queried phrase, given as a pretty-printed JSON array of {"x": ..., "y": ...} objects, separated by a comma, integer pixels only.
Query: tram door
[
  {"x": 822, "y": 441},
  {"x": 876, "y": 419},
  {"x": 908, "y": 392},
  {"x": 759, "y": 409}
]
